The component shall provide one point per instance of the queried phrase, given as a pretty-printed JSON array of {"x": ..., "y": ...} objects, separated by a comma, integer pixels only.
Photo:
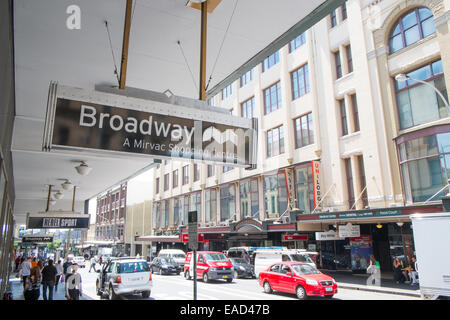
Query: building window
[
  {"x": 362, "y": 180},
  {"x": 166, "y": 182},
  {"x": 349, "y": 178},
  {"x": 425, "y": 164},
  {"x": 227, "y": 202},
  {"x": 156, "y": 214},
  {"x": 333, "y": 19},
  {"x": 246, "y": 78},
  {"x": 157, "y": 185},
  {"x": 304, "y": 131},
  {"x": 226, "y": 169},
  {"x": 344, "y": 125},
  {"x": 275, "y": 195},
  {"x": 210, "y": 205},
  {"x": 175, "y": 179},
  {"x": 410, "y": 28},
  {"x": 355, "y": 113},
  {"x": 248, "y": 192},
  {"x": 185, "y": 174},
  {"x": 210, "y": 170},
  {"x": 348, "y": 53},
  {"x": 176, "y": 211},
  {"x": 275, "y": 142},
  {"x": 272, "y": 98},
  {"x": 304, "y": 188},
  {"x": 338, "y": 64},
  {"x": 196, "y": 172},
  {"x": 195, "y": 203},
  {"x": 300, "y": 82},
  {"x": 165, "y": 214},
  {"x": 417, "y": 103},
  {"x": 248, "y": 108},
  {"x": 270, "y": 61},
  {"x": 344, "y": 12},
  {"x": 297, "y": 42},
  {"x": 227, "y": 91}
]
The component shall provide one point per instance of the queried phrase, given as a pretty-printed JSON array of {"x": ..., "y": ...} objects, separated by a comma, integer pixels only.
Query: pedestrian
[
  {"x": 34, "y": 262},
  {"x": 74, "y": 284},
  {"x": 66, "y": 267},
  {"x": 398, "y": 274},
  {"x": 48, "y": 280},
  {"x": 36, "y": 275},
  {"x": 100, "y": 261},
  {"x": 24, "y": 270},
  {"x": 92, "y": 264},
  {"x": 17, "y": 262},
  {"x": 59, "y": 270},
  {"x": 31, "y": 288},
  {"x": 374, "y": 270},
  {"x": 414, "y": 274}
]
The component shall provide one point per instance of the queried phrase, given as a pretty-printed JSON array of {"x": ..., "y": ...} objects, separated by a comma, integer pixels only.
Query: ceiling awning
[{"x": 163, "y": 54}]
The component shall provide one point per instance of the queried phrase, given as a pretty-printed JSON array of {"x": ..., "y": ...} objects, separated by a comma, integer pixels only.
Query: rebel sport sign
[{"x": 158, "y": 126}]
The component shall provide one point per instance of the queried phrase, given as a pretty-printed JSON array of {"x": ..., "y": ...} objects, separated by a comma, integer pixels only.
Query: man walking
[
  {"x": 48, "y": 280},
  {"x": 73, "y": 284},
  {"x": 25, "y": 269},
  {"x": 66, "y": 268},
  {"x": 92, "y": 264}
]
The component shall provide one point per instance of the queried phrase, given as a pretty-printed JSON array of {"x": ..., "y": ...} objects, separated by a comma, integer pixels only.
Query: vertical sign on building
[
  {"x": 289, "y": 177},
  {"x": 316, "y": 173}
]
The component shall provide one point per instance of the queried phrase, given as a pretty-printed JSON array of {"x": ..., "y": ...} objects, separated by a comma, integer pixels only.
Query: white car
[
  {"x": 81, "y": 261},
  {"x": 124, "y": 276}
]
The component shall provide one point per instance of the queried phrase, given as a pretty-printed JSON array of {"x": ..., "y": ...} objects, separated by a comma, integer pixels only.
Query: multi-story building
[
  {"x": 363, "y": 146},
  {"x": 110, "y": 217}
]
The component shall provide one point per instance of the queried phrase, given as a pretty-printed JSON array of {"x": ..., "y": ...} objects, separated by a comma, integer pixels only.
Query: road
[{"x": 175, "y": 287}]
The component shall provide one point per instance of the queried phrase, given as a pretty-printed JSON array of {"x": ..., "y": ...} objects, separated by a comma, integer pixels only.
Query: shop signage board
[
  {"x": 329, "y": 235},
  {"x": 114, "y": 124},
  {"x": 57, "y": 220},
  {"x": 317, "y": 177},
  {"x": 185, "y": 237},
  {"x": 290, "y": 186},
  {"x": 349, "y": 230},
  {"x": 386, "y": 213},
  {"x": 37, "y": 238},
  {"x": 295, "y": 237}
]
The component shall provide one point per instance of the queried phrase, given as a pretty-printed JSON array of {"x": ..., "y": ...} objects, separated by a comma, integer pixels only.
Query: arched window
[{"x": 410, "y": 28}]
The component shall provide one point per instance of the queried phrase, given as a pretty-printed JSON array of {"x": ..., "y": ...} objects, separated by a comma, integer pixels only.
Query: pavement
[{"x": 348, "y": 280}]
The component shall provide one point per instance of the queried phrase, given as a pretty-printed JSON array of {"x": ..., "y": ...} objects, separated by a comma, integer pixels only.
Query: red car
[
  {"x": 299, "y": 278},
  {"x": 210, "y": 266}
]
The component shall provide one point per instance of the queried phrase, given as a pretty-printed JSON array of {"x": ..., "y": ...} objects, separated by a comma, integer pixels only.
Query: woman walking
[
  {"x": 59, "y": 270},
  {"x": 398, "y": 266},
  {"x": 374, "y": 270}
]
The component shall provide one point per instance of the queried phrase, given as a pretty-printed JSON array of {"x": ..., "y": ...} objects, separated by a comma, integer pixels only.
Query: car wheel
[
  {"x": 301, "y": 293},
  {"x": 99, "y": 292},
  {"x": 229, "y": 280},
  {"x": 145, "y": 294},
  {"x": 205, "y": 277},
  {"x": 236, "y": 274},
  {"x": 267, "y": 287},
  {"x": 186, "y": 275},
  {"x": 112, "y": 295},
  {"x": 160, "y": 271},
  {"x": 178, "y": 273}
]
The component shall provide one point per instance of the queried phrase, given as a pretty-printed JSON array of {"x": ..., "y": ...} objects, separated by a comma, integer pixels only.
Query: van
[
  {"x": 210, "y": 266},
  {"x": 265, "y": 258},
  {"x": 176, "y": 254}
]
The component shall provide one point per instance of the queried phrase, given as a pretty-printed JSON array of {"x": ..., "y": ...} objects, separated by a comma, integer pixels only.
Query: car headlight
[
  {"x": 242, "y": 268},
  {"x": 312, "y": 282},
  {"x": 213, "y": 269}
]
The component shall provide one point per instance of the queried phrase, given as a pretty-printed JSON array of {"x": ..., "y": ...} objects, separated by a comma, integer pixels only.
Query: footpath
[{"x": 347, "y": 280}]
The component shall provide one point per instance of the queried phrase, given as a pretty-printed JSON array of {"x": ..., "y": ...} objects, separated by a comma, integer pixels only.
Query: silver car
[{"x": 124, "y": 276}]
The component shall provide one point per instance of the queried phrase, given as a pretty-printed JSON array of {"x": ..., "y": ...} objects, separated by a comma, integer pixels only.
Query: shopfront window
[
  {"x": 304, "y": 188},
  {"x": 210, "y": 205},
  {"x": 425, "y": 166},
  {"x": 227, "y": 202},
  {"x": 418, "y": 103},
  {"x": 275, "y": 195},
  {"x": 176, "y": 211},
  {"x": 195, "y": 203},
  {"x": 248, "y": 191}
]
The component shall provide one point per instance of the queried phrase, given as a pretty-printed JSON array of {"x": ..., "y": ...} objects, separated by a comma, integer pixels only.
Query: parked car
[
  {"x": 124, "y": 276},
  {"x": 210, "y": 265},
  {"x": 296, "y": 277},
  {"x": 81, "y": 261},
  {"x": 165, "y": 266},
  {"x": 176, "y": 254},
  {"x": 265, "y": 258},
  {"x": 242, "y": 268}
]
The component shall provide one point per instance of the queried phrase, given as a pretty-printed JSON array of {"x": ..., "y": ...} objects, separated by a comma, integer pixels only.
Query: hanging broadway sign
[{"x": 176, "y": 127}]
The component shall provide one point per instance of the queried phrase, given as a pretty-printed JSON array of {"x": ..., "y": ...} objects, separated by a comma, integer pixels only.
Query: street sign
[
  {"x": 37, "y": 238},
  {"x": 185, "y": 237},
  {"x": 57, "y": 220},
  {"x": 157, "y": 126},
  {"x": 192, "y": 230}
]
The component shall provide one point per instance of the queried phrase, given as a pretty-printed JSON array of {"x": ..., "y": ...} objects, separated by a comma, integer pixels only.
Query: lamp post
[{"x": 403, "y": 77}]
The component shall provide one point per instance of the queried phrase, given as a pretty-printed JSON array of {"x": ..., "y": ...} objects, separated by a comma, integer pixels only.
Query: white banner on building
[
  {"x": 349, "y": 231},
  {"x": 329, "y": 235}
]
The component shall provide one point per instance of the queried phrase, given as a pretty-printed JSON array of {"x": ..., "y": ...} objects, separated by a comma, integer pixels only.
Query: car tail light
[{"x": 118, "y": 280}]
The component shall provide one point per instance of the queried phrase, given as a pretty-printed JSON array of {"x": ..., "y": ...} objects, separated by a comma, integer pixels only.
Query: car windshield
[
  {"x": 215, "y": 257},
  {"x": 301, "y": 258},
  {"x": 239, "y": 261},
  {"x": 179, "y": 256},
  {"x": 131, "y": 267},
  {"x": 167, "y": 261},
  {"x": 304, "y": 269}
]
